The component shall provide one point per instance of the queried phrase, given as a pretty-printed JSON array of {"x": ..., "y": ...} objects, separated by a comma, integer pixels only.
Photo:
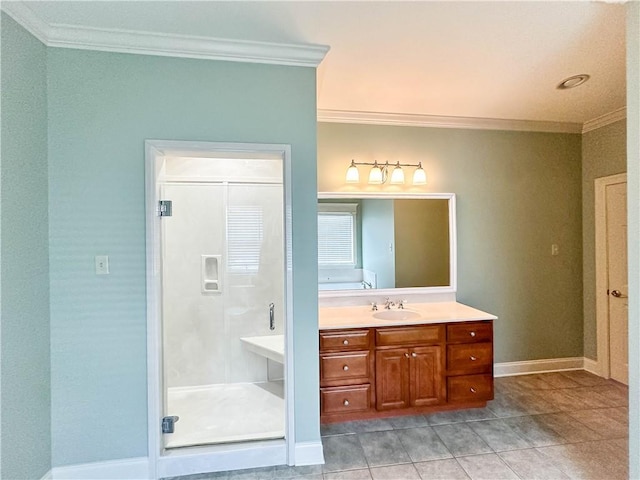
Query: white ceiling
[{"x": 499, "y": 60}]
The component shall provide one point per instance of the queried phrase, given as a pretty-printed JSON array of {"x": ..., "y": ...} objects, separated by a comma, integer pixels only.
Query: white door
[{"x": 616, "y": 211}]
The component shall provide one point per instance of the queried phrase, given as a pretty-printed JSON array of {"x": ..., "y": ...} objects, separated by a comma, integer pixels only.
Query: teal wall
[
  {"x": 102, "y": 107},
  {"x": 604, "y": 153},
  {"x": 25, "y": 428},
  {"x": 516, "y": 194}
]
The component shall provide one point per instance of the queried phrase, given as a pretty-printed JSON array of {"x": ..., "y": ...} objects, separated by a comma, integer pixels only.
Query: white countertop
[{"x": 362, "y": 316}]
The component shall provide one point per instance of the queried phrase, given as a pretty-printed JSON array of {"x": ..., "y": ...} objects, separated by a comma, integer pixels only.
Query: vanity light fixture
[{"x": 380, "y": 173}]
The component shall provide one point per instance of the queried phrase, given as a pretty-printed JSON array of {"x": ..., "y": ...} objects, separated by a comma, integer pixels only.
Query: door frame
[
  {"x": 602, "y": 299},
  {"x": 192, "y": 460}
]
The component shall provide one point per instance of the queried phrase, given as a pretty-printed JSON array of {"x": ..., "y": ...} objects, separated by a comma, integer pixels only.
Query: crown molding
[
  {"x": 604, "y": 120},
  {"x": 150, "y": 43},
  {"x": 436, "y": 121}
]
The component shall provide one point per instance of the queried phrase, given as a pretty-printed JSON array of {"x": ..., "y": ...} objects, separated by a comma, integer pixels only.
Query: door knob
[{"x": 617, "y": 293}]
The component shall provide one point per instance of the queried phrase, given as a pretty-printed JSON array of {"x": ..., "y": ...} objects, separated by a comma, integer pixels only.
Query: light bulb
[
  {"x": 397, "y": 176},
  {"x": 352, "y": 173},
  {"x": 375, "y": 175},
  {"x": 419, "y": 176}
]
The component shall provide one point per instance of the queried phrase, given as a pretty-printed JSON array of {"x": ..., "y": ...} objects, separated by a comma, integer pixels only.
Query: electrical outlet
[{"x": 555, "y": 250}]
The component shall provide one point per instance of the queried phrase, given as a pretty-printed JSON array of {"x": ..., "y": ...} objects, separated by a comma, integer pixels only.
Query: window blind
[
  {"x": 336, "y": 235},
  {"x": 244, "y": 238}
]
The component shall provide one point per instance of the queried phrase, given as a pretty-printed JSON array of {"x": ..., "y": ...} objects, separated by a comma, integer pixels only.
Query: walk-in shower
[{"x": 222, "y": 308}]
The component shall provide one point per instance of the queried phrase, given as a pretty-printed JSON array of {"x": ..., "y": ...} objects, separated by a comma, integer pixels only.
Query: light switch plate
[{"x": 102, "y": 264}]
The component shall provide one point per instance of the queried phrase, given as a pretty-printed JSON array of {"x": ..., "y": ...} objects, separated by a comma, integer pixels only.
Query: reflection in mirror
[{"x": 384, "y": 242}]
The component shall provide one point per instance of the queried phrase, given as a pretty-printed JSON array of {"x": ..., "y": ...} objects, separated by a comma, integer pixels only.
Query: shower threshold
[{"x": 226, "y": 413}]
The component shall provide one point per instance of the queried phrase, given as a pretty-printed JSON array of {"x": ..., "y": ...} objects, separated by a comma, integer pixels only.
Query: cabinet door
[
  {"x": 426, "y": 383},
  {"x": 392, "y": 378}
]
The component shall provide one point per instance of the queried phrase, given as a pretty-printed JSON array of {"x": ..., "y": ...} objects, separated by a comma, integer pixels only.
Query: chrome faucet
[
  {"x": 374, "y": 306},
  {"x": 388, "y": 304},
  {"x": 401, "y": 304}
]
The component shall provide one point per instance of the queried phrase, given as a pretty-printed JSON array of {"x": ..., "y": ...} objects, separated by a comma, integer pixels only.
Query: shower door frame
[{"x": 192, "y": 460}]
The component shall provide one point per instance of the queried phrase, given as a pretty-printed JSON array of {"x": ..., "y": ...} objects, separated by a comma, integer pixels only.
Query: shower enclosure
[{"x": 222, "y": 308}]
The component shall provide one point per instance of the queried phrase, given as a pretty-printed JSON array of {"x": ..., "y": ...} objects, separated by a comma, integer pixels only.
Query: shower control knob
[
  {"x": 345, "y": 342},
  {"x": 345, "y": 368},
  {"x": 473, "y": 334},
  {"x": 346, "y": 403}
]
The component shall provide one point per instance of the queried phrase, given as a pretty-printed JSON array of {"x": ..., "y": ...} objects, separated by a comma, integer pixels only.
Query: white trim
[
  {"x": 237, "y": 456},
  {"x": 438, "y": 121},
  {"x": 22, "y": 14},
  {"x": 171, "y": 45},
  {"x": 184, "y": 461},
  {"x": 604, "y": 120},
  {"x": 124, "y": 469},
  {"x": 602, "y": 299},
  {"x": 591, "y": 366},
  {"x": 453, "y": 247},
  {"x": 507, "y": 369},
  {"x": 48, "y": 475},
  {"x": 309, "y": 453}
]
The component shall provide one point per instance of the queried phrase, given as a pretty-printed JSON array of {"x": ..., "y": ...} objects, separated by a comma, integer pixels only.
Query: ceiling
[{"x": 483, "y": 60}]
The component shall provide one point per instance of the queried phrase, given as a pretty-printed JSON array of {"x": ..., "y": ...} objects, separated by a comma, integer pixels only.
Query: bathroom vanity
[{"x": 431, "y": 357}]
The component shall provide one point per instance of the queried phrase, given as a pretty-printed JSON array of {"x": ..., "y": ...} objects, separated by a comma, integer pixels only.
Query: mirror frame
[{"x": 453, "y": 244}]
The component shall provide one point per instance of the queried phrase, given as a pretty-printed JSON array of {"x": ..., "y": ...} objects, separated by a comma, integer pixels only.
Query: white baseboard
[
  {"x": 308, "y": 453},
  {"x": 125, "y": 469},
  {"x": 507, "y": 369},
  {"x": 592, "y": 366}
]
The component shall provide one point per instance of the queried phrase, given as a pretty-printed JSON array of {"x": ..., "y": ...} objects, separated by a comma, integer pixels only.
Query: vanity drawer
[
  {"x": 470, "y": 388},
  {"x": 345, "y": 368},
  {"x": 345, "y": 340},
  {"x": 345, "y": 399},
  {"x": 469, "y": 358},
  {"x": 423, "y": 335},
  {"x": 468, "y": 332}
]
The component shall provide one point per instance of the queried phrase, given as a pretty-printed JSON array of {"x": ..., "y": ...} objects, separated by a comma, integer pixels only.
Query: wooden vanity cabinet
[
  {"x": 346, "y": 371},
  {"x": 382, "y": 371},
  {"x": 410, "y": 376}
]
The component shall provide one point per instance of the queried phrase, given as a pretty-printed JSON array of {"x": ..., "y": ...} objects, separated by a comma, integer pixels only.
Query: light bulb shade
[
  {"x": 375, "y": 175},
  {"x": 352, "y": 173},
  {"x": 419, "y": 176},
  {"x": 397, "y": 176}
]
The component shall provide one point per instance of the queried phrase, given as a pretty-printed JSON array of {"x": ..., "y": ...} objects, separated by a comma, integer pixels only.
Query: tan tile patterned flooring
[{"x": 564, "y": 425}]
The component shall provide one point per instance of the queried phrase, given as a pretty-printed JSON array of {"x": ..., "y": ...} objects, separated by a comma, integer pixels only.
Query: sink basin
[{"x": 396, "y": 315}]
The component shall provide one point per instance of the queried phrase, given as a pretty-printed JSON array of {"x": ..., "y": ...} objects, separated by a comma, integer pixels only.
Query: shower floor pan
[{"x": 228, "y": 413}]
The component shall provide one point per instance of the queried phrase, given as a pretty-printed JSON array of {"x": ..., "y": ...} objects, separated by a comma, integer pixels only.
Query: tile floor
[{"x": 565, "y": 425}]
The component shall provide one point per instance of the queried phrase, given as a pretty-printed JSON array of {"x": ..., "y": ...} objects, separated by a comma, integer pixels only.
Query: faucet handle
[
  {"x": 401, "y": 304},
  {"x": 374, "y": 306}
]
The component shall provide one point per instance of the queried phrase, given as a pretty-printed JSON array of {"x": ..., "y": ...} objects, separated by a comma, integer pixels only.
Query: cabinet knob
[
  {"x": 406, "y": 355},
  {"x": 345, "y": 368},
  {"x": 345, "y": 342},
  {"x": 472, "y": 390},
  {"x": 472, "y": 358},
  {"x": 473, "y": 334},
  {"x": 414, "y": 354},
  {"x": 346, "y": 403}
]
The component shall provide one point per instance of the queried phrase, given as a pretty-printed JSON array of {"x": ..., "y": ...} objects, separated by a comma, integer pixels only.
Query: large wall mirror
[{"x": 377, "y": 243}]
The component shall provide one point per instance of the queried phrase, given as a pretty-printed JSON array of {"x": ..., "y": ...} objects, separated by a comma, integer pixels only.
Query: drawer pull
[
  {"x": 472, "y": 390},
  {"x": 473, "y": 334},
  {"x": 345, "y": 368},
  {"x": 345, "y": 342},
  {"x": 346, "y": 403},
  {"x": 472, "y": 358},
  {"x": 414, "y": 354},
  {"x": 406, "y": 355}
]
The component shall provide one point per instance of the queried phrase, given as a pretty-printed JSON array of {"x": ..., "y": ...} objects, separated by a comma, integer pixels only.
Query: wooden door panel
[
  {"x": 392, "y": 379},
  {"x": 426, "y": 370}
]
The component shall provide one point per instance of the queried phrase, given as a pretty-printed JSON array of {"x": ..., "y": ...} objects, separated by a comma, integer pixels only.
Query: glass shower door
[{"x": 223, "y": 312}]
